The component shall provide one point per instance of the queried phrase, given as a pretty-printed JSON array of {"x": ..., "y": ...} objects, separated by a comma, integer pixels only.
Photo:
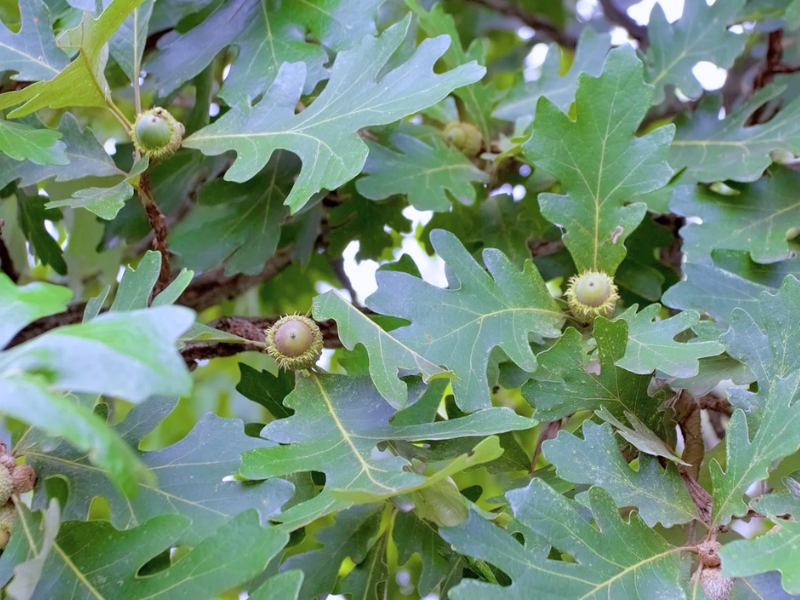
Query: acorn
[
  {"x": 464, "y": 136},
  {"x": 157, "y": 133},
  {"x": 591, "y": 294},
  {"x": 295, "y": 342},
  {"x": 23, "y": 479},
  {"x": 8, "y": 514},
  {"x": 715, "y": 584},
  {"x": 6, "y": 485}
]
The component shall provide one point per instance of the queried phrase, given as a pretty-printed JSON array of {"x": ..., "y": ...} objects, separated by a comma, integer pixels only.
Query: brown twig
[
  {"x": 158, "y": 224},
  {"x": 619, "y": 17},
  {"x": 687, "y": 413},
  {"x": 513, "y": 10},
  {"x": 337, "y": 264},
  {"x": 6, "y": 264}
]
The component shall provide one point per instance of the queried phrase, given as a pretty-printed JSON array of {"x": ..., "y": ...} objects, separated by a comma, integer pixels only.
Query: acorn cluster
[
  {"x": 590, "y": 295},
  {"x": 295, "y": 342},
  {"x": 14, "y": 479},
  {"x": 157, "y": 133}
]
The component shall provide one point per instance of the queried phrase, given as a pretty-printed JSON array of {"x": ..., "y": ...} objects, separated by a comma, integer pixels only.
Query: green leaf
[
  {"x": 338, "y": 422},
  {"x": 765, "y": 426},
  {"x": 32, "y": 52},
  {"x": 415, "y": 536},
  {"x": 324, "y": 135},
  {"x": 777, "y": 550},
  {"x": 86, "y": 158},
  {"x": 21, "y": 305},
  {"x": 105, "y": 202},
  {"x": 755, "y": 219},
  {"x": 715, "y": 150},
  {"x": 29, "y": 399},
  {"x": 640, "y": 436},
  {"x": 128, "y": 42},
  {"x": 369, "y": 579},
  {"x": 32, "y": 217},
  {"x": 190, "y": 474},
  {"x": 139, "y": 343},
  {"x": 382, "y": 347},
  {"x": 600, "y": 162},
  {"x": 714, "y": 291},
  {"x": 348, "y": 537},
  {"x": 82, "y": 82},
  {"x": 23, "y": 142},
  {"x": 244, "y": 220},
  {"x": 559, "y": 89},
  {"x": 457, "y": 328},
  {"x": 284, "y": 586},
  {"x": 770, "y": 275},
  {"x": 26, "y": 554},
  {"x": 267, "y": 389},
  {"x": 659, "y": 495},
  {"x": 614, "y": 559},
  {"x": 108, "y": 567},
  {"x": 701, "y": 34},
  {"x": 562, "y": 386},
  {"x": 181, "y": 57},
  {"x": 429, "y": 174},
  {"x": 476, "y": 98},
  {"x": 337, "y": 24},
  {"x": 652, "y": 345}
]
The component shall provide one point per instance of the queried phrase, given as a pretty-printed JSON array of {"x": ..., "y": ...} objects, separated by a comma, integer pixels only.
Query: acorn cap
[
  {"x": 590, "y": 295},
  {"x": 295, "y": 342},
  {"x": 23, "y": 479},
  {"x": 157, "y": 133},
  {"x": 8, "y": 514}
]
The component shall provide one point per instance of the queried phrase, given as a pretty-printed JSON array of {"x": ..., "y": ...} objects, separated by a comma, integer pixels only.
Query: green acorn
[
  {"x": 591, "y": 294},
  {"x": 8, "y": 514},
  {"x": 441, "y": 503},
  {"x": 295, "y": 342},
  {"x": 157, "y": 133},
  {"x": 6, "y": 485},
  {"x": 464, "y": 136}
]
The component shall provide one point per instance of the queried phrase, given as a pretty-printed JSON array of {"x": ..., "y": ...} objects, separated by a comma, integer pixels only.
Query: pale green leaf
[
  {"x": 659, "y": 494},
  {"x": 615, "y": 558},
  {"x": 600, "y": 162},
  {"x": 21, "y": 305},
  {"x": 701, "y": 34},
  {"x": 40, "y": 146},
  {"x": 756, "y": 218},
  {"x": 590, "y": 55},
  {"x": 429, "y": 174},
  {"x": 457, "y": 328},
  {"x": 337, "y": 424},
  {"x": 32, "y": 52},
  {"x": 324, "y": 135},
  {"x": 82, "y": 82},
  {"x": 652, "y": 345}
]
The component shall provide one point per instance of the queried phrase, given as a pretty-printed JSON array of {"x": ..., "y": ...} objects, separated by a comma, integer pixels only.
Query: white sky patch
[
  {"x": 526, "y": 33},
  {"x": 534, "y": 62},
  {"x": 673, "y": 9},
  {"x": 710, "y": 76},
  {"x": 225, "y": 72},
  {"x": 213, "y": 109},
  {"x": 619, "y": 36},
  {"x": 361, "y": 274},
  {"x": 110, "y": 146},
  {"x": 586, "y": 9}
]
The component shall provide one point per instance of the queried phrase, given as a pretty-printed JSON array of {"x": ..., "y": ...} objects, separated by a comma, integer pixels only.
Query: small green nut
[
  {"x": 8, "y": 514},
  {"x": 441, "y": 503},
  {"x": 590, "y": 295},
  {"x": 464, "y": 136},
  {"x": 295, "y": 342},
  {"x": 6, "y": 485},
  {"x": 792, "y": 233},
  {"x": 157, "y": 133}
]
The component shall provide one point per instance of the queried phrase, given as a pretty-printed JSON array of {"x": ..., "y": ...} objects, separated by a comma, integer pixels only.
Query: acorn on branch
[
  {"x": 590, "y": 295},
  {"x": 157, "y": 133},
  {"x": 295, "y": 342},
  {"x": 464, "y": 136}
]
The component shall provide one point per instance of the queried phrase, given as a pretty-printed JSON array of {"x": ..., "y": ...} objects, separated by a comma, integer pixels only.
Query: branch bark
[
  {"x": 509, "y": 8},
  {"x": 158, "y": 224}
]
